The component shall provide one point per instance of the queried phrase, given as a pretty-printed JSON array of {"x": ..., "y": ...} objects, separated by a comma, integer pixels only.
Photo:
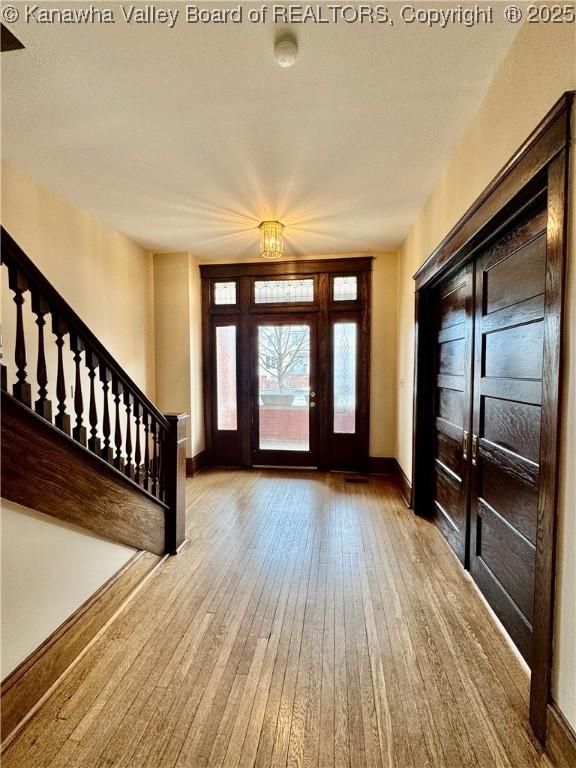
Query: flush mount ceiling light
[
  {"x": 286, "y": 50},
  {"x": 271, "y": 240}
]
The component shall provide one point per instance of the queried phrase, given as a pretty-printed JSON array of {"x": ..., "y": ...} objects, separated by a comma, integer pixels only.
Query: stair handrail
[{"x": 130, "y": 433}]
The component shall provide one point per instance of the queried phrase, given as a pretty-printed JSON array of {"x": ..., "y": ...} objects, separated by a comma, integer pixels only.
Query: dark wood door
[
  {"x": 452, "y": 407},
  {"x": 509, "y": 334},
  {"x": 285, "y": 390}
]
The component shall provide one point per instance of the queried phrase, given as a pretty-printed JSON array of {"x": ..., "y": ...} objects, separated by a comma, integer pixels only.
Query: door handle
[
  {"x": 312, "y": 404},
  {"x": 474, "y": 449},
  {"x": 312, "y": 394},
  {"x": 465, "y": 445}
]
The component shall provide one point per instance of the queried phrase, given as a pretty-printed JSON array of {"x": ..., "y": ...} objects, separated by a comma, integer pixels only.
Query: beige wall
[
  {"x": 178, "y": 313},
  {"x": 49, "y": 568},
  {"x": 105, "y": 277},
  {"x": 540, "y": 66},
  {"x": 383, "y": 355},
  {"x": 172, "y": 334}
]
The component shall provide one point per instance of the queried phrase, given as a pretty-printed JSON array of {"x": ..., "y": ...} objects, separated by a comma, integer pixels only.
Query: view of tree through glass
[{"x": 284, "y": 386}]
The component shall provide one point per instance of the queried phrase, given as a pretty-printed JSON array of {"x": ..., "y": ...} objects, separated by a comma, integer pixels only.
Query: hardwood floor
[{"x": 308, "y": 622}]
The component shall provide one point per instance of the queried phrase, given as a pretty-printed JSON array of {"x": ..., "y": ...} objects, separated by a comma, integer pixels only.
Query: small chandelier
[{"x": 272, "y": 240}]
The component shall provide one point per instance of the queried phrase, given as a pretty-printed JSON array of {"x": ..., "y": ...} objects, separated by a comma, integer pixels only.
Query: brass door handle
[
  {"x": 465, "y": 445},
  {"x": 474, "y": 449}
]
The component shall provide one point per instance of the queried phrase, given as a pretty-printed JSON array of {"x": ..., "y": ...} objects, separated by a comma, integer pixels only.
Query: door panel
[
  {"x": 514, "y": 353},
  {"x": 508, "y": 353},
  {"x": 514, "y": 426},
  {"x": 284, "y": 391},
  {"x": 516, "y": 500},
  {"x": 452, "y": 376}
]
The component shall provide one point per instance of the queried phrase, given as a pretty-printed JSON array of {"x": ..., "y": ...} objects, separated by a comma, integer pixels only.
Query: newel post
[{"x": 174, "y": 461}]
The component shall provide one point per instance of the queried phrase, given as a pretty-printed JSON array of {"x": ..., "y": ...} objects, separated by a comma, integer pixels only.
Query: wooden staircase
[{"x": 104, "y": 457}]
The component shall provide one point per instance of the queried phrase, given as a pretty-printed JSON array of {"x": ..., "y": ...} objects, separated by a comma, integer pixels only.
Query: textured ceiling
[{"x": 186, "y": 138}]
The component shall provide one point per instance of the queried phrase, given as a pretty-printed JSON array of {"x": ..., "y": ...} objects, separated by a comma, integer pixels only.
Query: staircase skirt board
[
  {"x": 30, "y": 684},
  {"x": 45, "y": 470}
]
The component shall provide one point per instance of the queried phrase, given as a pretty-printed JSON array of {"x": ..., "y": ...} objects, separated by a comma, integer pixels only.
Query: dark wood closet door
[
  {"x": 509, "y": 332},
  {"x": 452, "y": 406}
]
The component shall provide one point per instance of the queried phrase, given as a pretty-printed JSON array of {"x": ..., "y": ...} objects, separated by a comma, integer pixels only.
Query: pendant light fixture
[{"x": 271, "y": 240}]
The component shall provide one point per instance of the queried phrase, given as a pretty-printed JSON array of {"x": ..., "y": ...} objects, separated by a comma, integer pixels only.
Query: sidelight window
[
  {"x": 226, "y": 400},
  {"x": 345, "y": 346}
]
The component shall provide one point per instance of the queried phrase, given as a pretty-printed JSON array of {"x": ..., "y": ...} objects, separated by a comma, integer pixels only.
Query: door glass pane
[
  {"x": 226, "y": 377},
  {"x": 225, "y": 293},
  {"x": 284, "y": 291},
  {"x": 344, "y": 378},
  {"x": 284, "y": 387},
  {"x": 345, "y": 288}
]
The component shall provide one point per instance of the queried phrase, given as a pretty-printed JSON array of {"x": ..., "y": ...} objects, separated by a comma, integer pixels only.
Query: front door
[{"x": 284, "y": 391}]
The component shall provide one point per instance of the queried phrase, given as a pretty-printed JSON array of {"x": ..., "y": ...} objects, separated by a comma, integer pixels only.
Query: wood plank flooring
[{"x": 308, "y": 622}]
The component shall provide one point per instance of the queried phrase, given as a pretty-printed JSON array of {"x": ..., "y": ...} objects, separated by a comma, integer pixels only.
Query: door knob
[
  {"x": 312, "y": 405},
  {"x": 465, "y": 445},
  {"x": 474, "y": 449},
  {"x": 312, "y": 394}
]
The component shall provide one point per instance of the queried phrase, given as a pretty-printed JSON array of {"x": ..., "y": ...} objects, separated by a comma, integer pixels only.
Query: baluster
[
  {"x": 22, "y": 389},
  {"x": 62, "y": 419},
  {"x": 3, "y": 369},
  {"x": 161, "y": 437},
  {"x": 117, "y": 390},
  {"x": 129, "y": 468},
  {"x": 43, "y": 406},
  {"x": 146, "y": 452},
  {"x": 93, "y": 441},
  {"x": 79, "y": 431},
  {"x": 154, "y": 457},
  {"x": 138, "y": 452},
  {"x": 107, "y": 451}
]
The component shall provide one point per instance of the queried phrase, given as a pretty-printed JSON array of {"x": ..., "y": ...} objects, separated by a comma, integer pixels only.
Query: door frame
[
  {"x": 540, "y": 168},
  {"x": 285, "y": 458},
  {"x": 330, "y": 447}
]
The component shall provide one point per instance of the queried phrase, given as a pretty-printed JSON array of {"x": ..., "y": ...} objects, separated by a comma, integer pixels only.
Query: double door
[{"x": 487, "y": 368}]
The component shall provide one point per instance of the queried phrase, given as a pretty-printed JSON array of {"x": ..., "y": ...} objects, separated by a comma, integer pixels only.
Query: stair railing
[{"x": 107, "y": 413}]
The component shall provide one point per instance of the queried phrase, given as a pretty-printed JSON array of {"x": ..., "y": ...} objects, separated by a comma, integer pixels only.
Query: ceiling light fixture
[
  {"x": 271, "y": 240},
  {"x": 286, "y": 50}
]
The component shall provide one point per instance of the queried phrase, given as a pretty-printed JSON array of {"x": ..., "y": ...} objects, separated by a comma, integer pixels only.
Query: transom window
[
  {"x": 284, "y": 291},
  {"x": 225, "y": 292},
  {"x": 345, "y": 288}
]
